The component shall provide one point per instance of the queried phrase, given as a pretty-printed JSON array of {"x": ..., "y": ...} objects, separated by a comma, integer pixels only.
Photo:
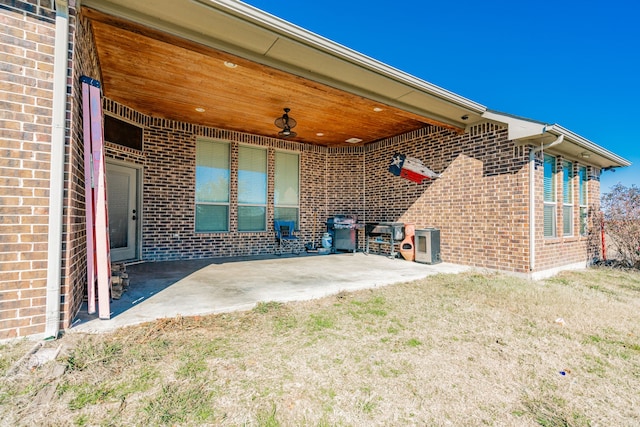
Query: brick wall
[
  {"x": 25, "y": 166},
  {"x": 25, "y": 127},
  {"x": 345, "y": 181},
  {"x": 479, "y": 202}
]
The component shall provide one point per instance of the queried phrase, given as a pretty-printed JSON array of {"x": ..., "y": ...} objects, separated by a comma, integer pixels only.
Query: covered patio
[{"x": 218, "y": 285}]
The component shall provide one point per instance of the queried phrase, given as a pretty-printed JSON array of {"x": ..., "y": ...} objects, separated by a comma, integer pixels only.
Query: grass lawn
[{"x": 460, "y": 350}]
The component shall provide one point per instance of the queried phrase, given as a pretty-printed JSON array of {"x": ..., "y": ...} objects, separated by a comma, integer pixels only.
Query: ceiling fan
[{"x": 286, "y": 123}]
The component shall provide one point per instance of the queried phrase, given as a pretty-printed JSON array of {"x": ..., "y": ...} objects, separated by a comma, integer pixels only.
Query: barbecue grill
[
  {"x": 344, "y": 232},
  {"x": 384, "y": 233}
]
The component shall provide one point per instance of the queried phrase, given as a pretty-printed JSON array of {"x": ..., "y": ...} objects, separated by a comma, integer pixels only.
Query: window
[
  {"x": 212, "y": 186},
  {"x": 252, "y": 189},
  {"x": 549, "y": 196},
  {"x": 567, "y": 198},
  {"x": 582, "y": 190},
  {"x": 287, "y": 186}
]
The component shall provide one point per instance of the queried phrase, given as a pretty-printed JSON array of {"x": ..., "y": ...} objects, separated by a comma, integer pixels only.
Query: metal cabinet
[{"x": 427, "y": 246}]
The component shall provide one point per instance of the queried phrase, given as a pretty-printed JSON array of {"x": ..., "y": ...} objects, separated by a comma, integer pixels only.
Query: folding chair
[{"x": 287, "y": 240}]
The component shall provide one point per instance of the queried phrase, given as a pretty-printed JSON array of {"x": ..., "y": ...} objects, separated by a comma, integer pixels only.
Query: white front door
[{"x": 122, "y": 201}]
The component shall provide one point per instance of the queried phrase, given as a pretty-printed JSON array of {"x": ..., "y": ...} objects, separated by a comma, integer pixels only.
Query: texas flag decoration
[{"x": 410, "y": 168}]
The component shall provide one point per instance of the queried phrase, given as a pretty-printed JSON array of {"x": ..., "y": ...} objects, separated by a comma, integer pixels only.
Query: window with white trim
[
  {"x": 549, "y": 196},
  {"x": 252, "y": 188},
  {"x": 567, "y": 198},
  {"x": 212, "y": 186},
  {"x": 287, "y": 186},
  {"x": 582, "y": 198}
]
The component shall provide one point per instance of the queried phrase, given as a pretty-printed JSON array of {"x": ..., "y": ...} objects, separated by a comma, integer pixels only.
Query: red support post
[{"x": 604, "y": 246}]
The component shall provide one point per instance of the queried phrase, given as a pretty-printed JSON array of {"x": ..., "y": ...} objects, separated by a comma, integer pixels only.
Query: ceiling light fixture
[
  {"x": 585, "y": 155},
  {"x": 353, "y": 140},
  {"x": 377, "y": 109},
  {"x": 286, "y": 123},
  {"x": 319, "y": 134},
  {"x": 200, "y": 110},
  {"x": 465, "y": 117},
  {"x": 230, "y": 64}
]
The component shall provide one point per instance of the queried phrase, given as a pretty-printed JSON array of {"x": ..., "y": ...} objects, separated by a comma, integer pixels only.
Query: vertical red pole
[{"x": 604, "y": 248}]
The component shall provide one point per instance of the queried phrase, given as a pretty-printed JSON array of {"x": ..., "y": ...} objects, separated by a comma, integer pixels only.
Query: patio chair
[{"x": 286, "y": 238}]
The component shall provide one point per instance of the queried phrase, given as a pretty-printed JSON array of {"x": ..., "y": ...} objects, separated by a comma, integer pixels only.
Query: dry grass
[{"x": 447, "y": 350}]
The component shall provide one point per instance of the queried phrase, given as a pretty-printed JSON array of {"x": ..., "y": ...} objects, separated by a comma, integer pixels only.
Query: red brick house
[{"x": 197, "y": 168}]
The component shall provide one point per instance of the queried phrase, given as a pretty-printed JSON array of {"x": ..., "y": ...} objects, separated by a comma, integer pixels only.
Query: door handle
[{"x": 134, "y": 217}]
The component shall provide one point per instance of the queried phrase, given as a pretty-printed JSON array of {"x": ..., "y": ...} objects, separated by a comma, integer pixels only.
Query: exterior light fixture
[{"x": 286, "y": 123}]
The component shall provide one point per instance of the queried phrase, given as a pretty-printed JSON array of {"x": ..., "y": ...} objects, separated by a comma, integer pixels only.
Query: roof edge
[
  {"x": 556, "y": 129},
  {"x": 287, "y": 29},
  {"x": 520, "y": 128}
]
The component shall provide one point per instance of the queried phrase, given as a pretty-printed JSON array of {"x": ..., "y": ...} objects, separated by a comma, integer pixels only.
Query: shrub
[{"x": 621, "y": 209}]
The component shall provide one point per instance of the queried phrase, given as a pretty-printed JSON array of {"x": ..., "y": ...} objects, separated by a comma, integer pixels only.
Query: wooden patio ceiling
[{"x": 162, "y": 75}]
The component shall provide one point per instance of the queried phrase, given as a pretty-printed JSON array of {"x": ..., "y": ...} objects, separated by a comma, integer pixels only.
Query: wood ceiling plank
[{"x": 165, "y": 76}]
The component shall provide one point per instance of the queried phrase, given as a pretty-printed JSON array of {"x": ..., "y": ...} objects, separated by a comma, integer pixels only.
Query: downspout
[
  {"x": 532, "y": 198},
  {"x": 56, "y": 180}
]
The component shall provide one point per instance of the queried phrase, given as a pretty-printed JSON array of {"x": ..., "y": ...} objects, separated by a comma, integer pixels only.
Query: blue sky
[{"x": 573, "y": 63}]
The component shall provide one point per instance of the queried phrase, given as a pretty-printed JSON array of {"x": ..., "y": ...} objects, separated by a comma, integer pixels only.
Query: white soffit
[
  {"x": 518, "y": 128},
  {"x": 192, "y": 21},
  {"x": 322, "y": 63},
  {"x": 420, "y": 99}
]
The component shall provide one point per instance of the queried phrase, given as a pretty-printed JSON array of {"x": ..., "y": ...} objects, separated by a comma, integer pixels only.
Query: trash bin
[{"x": 427, "y": 246}]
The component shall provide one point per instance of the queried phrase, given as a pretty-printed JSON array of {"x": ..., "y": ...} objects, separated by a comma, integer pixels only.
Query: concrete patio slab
[{"x": 200, "y": 287}]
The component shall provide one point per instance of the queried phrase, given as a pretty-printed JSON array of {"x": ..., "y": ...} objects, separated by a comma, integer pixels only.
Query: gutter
[
  {"x": 589, "y": 146},
  {"x": 56, "y": 179},
  {"x": 532, "y": 198}
]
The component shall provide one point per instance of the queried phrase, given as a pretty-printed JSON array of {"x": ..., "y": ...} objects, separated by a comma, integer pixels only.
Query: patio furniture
[
  {"x": 384, "y": 234},
  {"x": 286, "y": 238}
]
